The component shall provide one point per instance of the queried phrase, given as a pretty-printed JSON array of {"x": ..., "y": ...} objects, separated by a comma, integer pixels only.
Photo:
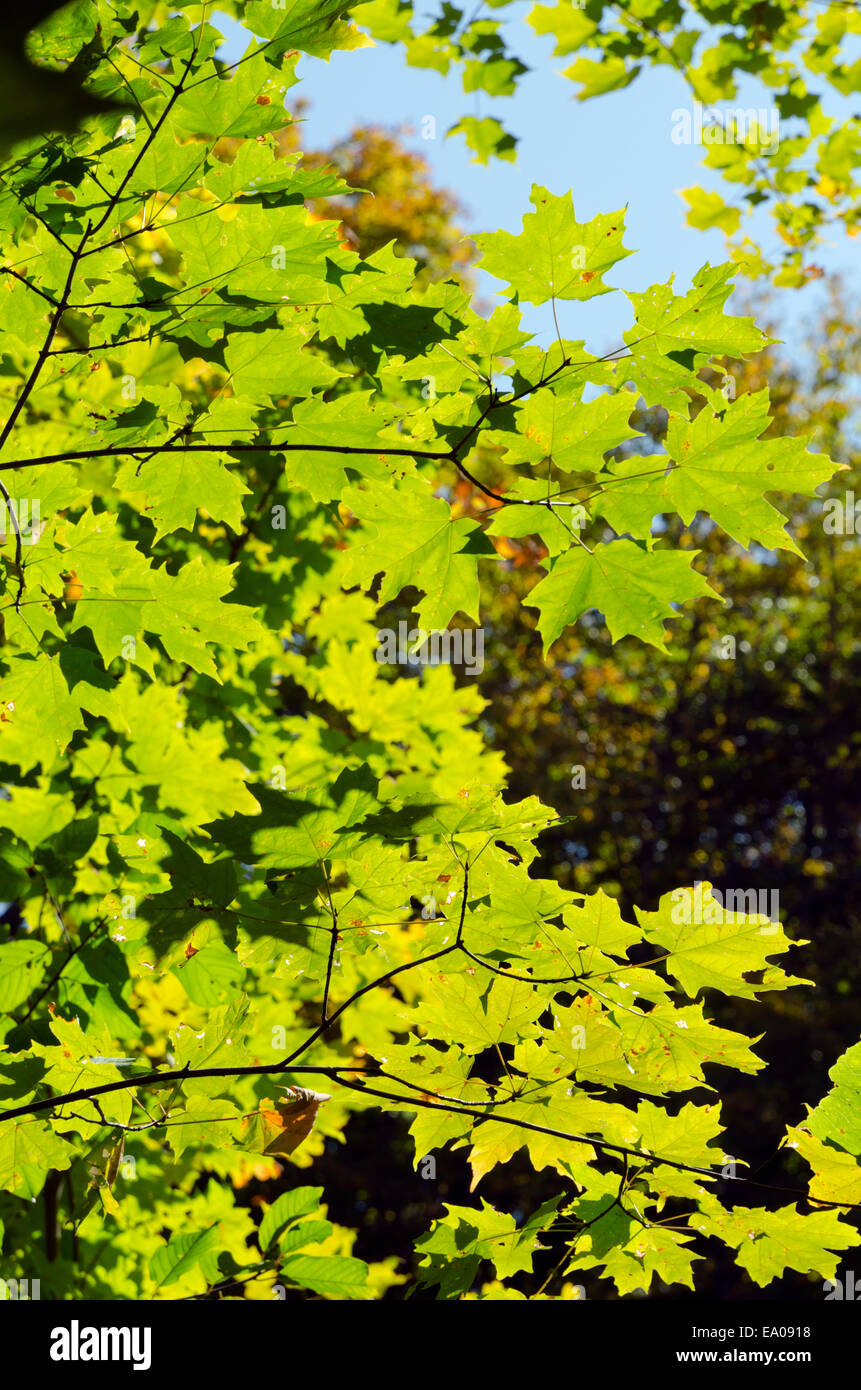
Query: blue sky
[{"x": 611, "y": 151}]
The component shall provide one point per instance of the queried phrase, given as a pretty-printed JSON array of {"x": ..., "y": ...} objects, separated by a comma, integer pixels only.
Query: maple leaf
[{"x": 633, "y": 588}]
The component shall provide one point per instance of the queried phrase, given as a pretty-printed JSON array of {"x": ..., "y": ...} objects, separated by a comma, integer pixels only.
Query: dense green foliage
[{"x": 244, "y": 851}]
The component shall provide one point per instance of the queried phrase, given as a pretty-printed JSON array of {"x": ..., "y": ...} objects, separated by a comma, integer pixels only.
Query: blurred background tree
[{"x": 394, "y": 199}]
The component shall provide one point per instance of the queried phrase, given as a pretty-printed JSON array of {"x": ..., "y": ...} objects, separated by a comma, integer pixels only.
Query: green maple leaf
[
  {"x": 719, "y": 466},
  {"x": 572, "y": 435},
  {"x": 670, "y": 1047},
  {"x": 29, "y": 1150},
  {"x": 202, "y": 1125},
  {"x": 596, "y": 78},
  {"x": 531, "y": 519},
  {"x": 45, "y": 698},
  {"x": 770, "y": 1242},
  {"x": 598, "y": 923},
  {"x": 36, "y": 813},
  {"x": 684, "y": 1136},
  {"x": 314, "y": 26},
  {"x": 555, "y": 1106},
  {"x": 304, "y": 827},
  {"x": 633, "y": 588},
  {"x": 555, "y": 256},
  {"x": 486, "y": 137},
  {"x": 723, "y": 468},
  {"x": 657, "y": 1052},
  {"x": 191, "y": 614},
  {"x": 383, "y": 280},
  {"x": 467, "y": 1235},
  {"x": 212, "y": 974},
  {"x": 434, "y": 553},
  {"x": 668, "y": 323},
  {"x": 266, "y": 254},
  {"x": 631, "y": 1254},
  {"x": 123, "y": 596},
  {"x": 446, "y": 1073},
  {"x": 22, "y": 967},
  {"x": 477, "y": 1014},
  {"x": 115, "y": 580},
  {"x": 217, "y": 1044},
  {"x": 837, "y": 1117},
  {"x": 354, "y": 417},
  {"x": 634, "y": 492},
  {"x": 68, "y": 1062},
  {"x": 178, "y": 485},
  {"x": 230, "y": 105},
  {"x": 836, "y": 1175},
  {"x": 275, "y": 362},
  {"x": 715, "y": 948}
]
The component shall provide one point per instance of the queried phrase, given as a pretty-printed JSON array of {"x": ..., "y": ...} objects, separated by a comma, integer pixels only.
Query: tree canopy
[{"x": 248, "y": 857}]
